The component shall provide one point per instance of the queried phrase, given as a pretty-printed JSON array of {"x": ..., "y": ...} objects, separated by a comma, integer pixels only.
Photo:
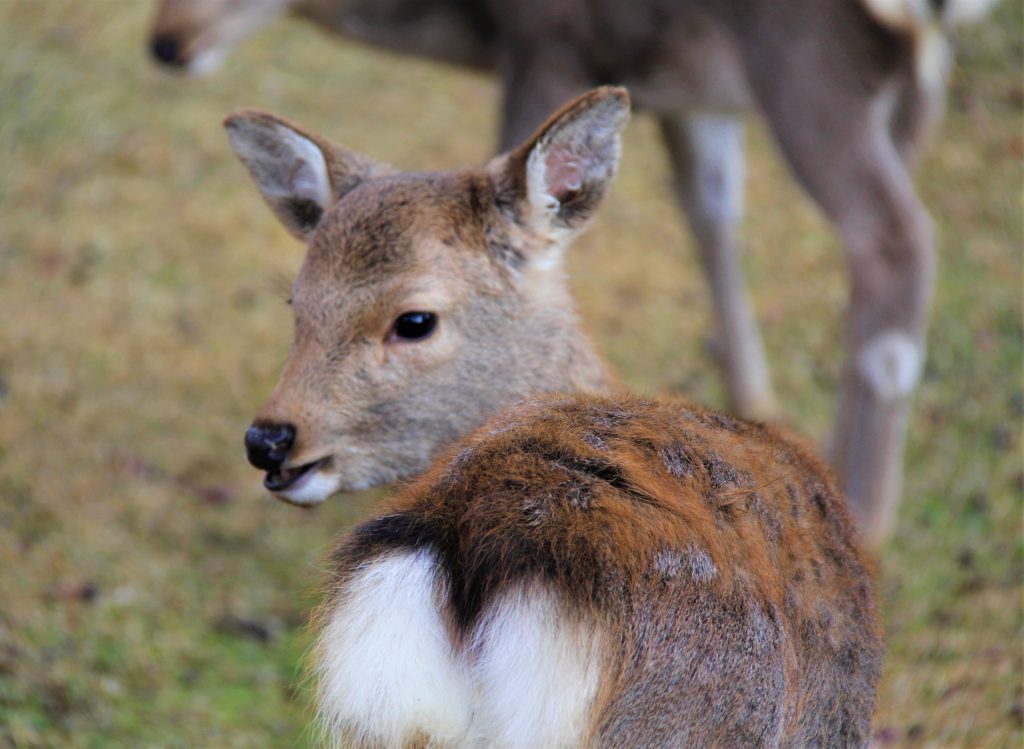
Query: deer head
[
  {"x": 426, "y": 301},
  {"x": 195, "y": 35}
]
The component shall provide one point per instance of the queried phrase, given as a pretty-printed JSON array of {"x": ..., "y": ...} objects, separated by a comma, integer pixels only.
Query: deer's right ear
[{"x": 299, "y": 175}]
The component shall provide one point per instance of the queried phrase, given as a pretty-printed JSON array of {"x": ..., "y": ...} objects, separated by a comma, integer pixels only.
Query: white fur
[
  {"x": 720, "y": 173},
  {"x": 283, "y": 163},
  {"x": 933, "y": 58},
  {"x": 224, "y": 30},
  {"x": 907, "y": 15},
  {"x": 543, "y": 204},
  {"x": 552, "y": 258},
  {"x": 310, "y": 180},
  {"x": 386, "y": 666},
  {"x": 578, "y": 143},
  {"x": 388, "y": 670},
  {"x": 966, "y": 11},
  {"x": 915, "y": 15},
  {"x": 313, "y": 489},
  {"x": 536, "y": 672},
  {"x": 891, "y": 363},
  {"x": 918, "y": 17},
  {"x": 207, "y": 61}
]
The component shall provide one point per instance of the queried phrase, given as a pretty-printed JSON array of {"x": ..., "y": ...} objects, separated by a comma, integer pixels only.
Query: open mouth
[{"x": 292, "y": 478}]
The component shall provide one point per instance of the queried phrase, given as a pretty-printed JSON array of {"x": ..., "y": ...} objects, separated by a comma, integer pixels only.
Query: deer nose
[
  {"x": 166, "y": 49},
  {"x": 267, "y": 445}
]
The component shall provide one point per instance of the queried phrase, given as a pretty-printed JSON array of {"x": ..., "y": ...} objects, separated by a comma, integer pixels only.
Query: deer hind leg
[
  {"x": 917, "y": 110},
  {"x": 537, "y": 80},
  {"x": 706, "y": 152},
  {"x": 840, "y": 144},
  {"x": 888, "y": 238}
]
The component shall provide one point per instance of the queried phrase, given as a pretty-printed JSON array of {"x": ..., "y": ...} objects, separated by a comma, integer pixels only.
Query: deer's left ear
[
  {"x": 559, "y": 176},
  {"x": 299, "y": 174}
]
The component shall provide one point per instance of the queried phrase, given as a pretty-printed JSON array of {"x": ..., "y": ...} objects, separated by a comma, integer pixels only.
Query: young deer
[
  {"x": 585, "y": 569},
  {"x": 849, "y": 91}
]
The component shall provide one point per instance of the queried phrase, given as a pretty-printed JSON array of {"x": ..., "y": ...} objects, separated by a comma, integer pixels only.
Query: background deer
[
  {"x": 849, "y": 91},
  {"x": 585, "y": 570}
]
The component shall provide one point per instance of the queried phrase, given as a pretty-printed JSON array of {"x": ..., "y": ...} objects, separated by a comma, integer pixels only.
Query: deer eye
[{"x": 413, "y": 326}]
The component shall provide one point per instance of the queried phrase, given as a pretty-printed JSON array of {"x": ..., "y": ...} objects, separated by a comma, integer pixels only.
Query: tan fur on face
[
  {"x": 384, "y": 409},
  {"x": 472, "y": 247}
]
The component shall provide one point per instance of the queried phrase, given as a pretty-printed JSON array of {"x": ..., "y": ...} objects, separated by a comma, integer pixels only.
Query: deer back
[{"x": 606, "y": 571}]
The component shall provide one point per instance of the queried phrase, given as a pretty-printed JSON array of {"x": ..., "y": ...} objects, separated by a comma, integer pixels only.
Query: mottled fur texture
[
  {"x": 585, "y": 570},
  {"x": 712, "y": 559}
]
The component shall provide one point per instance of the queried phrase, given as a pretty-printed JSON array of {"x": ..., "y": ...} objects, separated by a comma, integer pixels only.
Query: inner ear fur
[
  {"x": 299, "y": 174},
  {"x": 561, "y": 173}
]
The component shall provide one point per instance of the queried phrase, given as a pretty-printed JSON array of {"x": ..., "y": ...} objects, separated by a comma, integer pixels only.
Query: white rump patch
[
  {"x": 891, "y": 363},
  {"x": 537, "y": 672},
  {"x": 388, "y": 673},
  {"x": 386, "y": 666}
]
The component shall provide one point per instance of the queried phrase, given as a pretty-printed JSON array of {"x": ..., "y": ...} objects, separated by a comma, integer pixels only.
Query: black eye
[{"x": 413, "y": 326}]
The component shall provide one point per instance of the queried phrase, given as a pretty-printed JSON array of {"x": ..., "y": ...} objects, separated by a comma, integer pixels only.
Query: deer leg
[
  {"x": 537, "y": 80},
  {"x": 706, "y": 152},
  {"x": 917, "y": 110},
  {"x": 830, "y": 106},
  {"x": 888, "y": 238},
  {"x": 842, "y": 150}
]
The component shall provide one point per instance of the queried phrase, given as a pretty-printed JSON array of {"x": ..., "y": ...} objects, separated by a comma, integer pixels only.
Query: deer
[
  {"x": 570, "y": 565},
  {"x": 850, "y": 91}
]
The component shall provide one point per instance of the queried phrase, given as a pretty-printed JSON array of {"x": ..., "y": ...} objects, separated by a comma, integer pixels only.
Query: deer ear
[
  {"x": 299, "y": 174},
  {"x": 559, "y": 176}
]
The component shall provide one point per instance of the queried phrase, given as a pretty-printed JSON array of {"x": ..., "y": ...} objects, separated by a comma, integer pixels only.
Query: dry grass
[{"x": 153, "y": 596}]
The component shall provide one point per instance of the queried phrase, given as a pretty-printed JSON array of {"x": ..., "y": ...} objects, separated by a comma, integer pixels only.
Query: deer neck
[{"x": 572, "y": 363}]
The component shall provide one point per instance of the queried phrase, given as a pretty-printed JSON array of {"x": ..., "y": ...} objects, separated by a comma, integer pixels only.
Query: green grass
[{"x": 152, "y": 595}]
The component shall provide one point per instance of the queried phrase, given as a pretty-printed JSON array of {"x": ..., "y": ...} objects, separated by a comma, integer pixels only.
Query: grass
[{"x": 152, "y": 595}]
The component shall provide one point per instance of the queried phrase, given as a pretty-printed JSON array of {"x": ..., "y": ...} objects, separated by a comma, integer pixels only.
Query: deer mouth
[{"x": 290, "y": 479}]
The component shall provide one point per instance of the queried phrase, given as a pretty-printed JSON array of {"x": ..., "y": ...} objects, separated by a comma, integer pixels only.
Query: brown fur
[
  {"x": 718, "y": 553},
  {"x": 713, "y": 557},
  {"x": 844, "y": 90}
]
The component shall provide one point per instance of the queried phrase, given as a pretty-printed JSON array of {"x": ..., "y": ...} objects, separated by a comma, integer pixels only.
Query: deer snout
[
  {"x": 267, "y": 445},
  {"x": 167, "y": 50}
]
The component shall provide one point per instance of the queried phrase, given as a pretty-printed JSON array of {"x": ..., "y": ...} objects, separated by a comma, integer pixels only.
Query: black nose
[
  {"x": 166, "y": 49},
  {"x": 267, "y": 445}
]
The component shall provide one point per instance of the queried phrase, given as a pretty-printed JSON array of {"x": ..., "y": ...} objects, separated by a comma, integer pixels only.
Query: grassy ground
[{"x": 152, "y": 595}]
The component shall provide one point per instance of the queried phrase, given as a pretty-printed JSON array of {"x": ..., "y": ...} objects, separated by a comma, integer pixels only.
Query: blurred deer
[
  {"x": 848, "y": 89},
  {"x": 585, "y": 569}
]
